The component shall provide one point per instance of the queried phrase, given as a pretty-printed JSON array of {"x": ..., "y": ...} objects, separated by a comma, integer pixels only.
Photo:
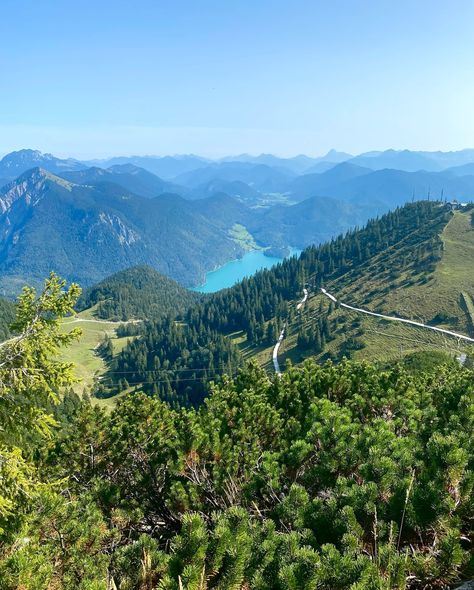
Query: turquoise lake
[{"x": 236, "y": 270}]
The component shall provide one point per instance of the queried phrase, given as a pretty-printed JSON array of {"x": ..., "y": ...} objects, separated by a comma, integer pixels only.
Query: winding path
[
  {"x": 303, "y": 301},
  {"x": 76, "y": 320},
  {"x": 395, "y": 319},
  {"x": 275, "y": 352},
  {"x": 276, "y": 348}
]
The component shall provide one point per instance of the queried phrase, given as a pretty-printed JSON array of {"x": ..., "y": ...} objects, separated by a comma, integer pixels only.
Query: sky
[{"x": 218, "y": 77}]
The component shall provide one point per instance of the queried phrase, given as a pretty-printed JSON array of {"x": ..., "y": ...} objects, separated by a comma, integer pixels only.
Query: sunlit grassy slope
[
  {"x": 89, "y": 365},
  {"x": 442, "y": 297}
]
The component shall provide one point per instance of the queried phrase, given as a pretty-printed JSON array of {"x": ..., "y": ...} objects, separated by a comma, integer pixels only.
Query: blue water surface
[{"x": 235, "y": 270}]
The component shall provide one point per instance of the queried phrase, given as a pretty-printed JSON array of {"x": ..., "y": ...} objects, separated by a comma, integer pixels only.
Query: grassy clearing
[
  {"x": 240, "y": 234},
  {"x": 89, "y": 366},
  {"x": 108, "y": 403}
]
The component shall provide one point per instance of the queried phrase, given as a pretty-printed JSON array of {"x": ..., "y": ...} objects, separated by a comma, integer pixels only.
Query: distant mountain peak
[
  {"x": 13, "y": 158},
  {"x": 15, "y": 163},
  {"x": 334, "y": 152}
]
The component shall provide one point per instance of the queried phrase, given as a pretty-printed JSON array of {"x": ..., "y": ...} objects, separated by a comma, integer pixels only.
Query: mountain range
[
  {"x": 169, "y": 167},
  {"x": 135, "y": 179},
  {"x": 15, "y": 163},
  {"x": 88, "y": 221}
]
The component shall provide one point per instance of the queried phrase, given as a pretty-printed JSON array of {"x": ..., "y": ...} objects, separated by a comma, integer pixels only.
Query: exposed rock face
[
  {"x": 125, "y": 235},
  {"x": 23, "y": 188}
]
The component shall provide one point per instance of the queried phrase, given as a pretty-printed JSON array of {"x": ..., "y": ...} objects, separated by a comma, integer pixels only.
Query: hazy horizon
[
  {"x": 81, "y": 154},
  {"x": 223, "y": 155}
]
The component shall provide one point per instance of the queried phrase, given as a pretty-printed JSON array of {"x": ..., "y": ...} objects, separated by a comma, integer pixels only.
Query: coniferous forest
[
  {"x": 333, "y": 476},
  {"x": 163, "y": 355},
  {"x": 136, "y": 293}
]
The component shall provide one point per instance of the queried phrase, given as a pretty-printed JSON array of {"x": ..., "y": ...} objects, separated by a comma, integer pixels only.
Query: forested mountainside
[
  {"x": 312, "y": 221},
  {"x": 136, "y": 293},
  {"x": 397, "y": 252},
  {"x": 87, "y": 232},
  {"x": 348, "y": 476},
  {"x": 425, "y": 277},
  {"x": 171, "y": 360}
]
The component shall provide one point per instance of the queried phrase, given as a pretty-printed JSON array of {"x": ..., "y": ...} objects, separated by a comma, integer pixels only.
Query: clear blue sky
[{"x": 221, "y": 77}]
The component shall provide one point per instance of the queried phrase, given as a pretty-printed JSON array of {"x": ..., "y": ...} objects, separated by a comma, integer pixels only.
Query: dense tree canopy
[
  {"x": 136, "y": 293},
  {"x": 172, "y": 360}
]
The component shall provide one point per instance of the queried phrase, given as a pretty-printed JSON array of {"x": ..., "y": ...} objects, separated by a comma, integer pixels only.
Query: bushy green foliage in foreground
[{"x": 331, "y": 477}]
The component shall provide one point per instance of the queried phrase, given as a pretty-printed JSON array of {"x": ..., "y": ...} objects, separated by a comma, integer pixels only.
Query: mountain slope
[
  {"x": 86, "y": 232},
  {"x": 136, "y": 293},
  {"x": 313, "y": 221},
  {"x": 132, "y": 178},
  {"x": 386, "y": 189},
  {"x": 233, "y": 188},
  {"x": 224, "y": 210},
  {"x": 426, "y": 277},
  {"x": 394, "y": 265},
  {"x": 464, "y": 170},
  {"x": 381, "y": 190},
  {"x": 310, "y": 185}
]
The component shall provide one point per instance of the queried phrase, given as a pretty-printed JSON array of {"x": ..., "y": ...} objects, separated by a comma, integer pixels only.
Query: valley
[
  {"x": 421, "y": 276},
  {"x": 402, "y": 272}
]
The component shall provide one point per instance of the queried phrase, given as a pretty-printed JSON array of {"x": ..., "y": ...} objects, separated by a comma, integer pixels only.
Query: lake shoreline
[{"x": 233, "y": 271}]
